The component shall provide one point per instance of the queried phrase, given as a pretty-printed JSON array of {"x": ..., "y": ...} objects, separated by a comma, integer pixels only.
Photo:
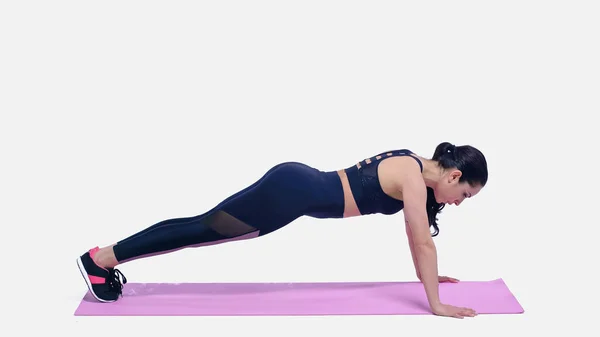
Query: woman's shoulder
[
  {"x": 398, "y": 170},
  {"x": 404, "y": 156}
]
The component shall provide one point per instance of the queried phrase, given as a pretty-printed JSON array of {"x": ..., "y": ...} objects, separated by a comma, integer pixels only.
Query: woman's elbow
[{"x": 425, "y": 245}]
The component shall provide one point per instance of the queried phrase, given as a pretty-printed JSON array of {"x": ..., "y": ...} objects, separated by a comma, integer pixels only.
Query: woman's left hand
[{"x": 447, "y": 279}]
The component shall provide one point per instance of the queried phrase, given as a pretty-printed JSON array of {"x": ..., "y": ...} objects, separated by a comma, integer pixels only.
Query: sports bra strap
[
  {"x": 418, "y": 161},
  {"x": 388, "y": 154},
  {"x": 411, "y": 154}
]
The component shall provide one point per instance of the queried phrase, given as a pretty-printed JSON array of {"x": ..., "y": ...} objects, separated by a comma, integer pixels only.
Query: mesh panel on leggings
[{"x": 227, "y": 225}]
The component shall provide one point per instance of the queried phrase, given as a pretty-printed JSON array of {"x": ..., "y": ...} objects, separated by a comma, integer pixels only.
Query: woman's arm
[
  {"x": 414, "y": 193},
  {"x": 412, "y": 250}
]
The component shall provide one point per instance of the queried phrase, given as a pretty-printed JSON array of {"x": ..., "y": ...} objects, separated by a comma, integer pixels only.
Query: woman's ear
[{"x": 454, "y": 176}]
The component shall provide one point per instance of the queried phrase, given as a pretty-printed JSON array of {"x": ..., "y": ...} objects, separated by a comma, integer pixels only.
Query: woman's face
[{"x": 450, "y": 191}]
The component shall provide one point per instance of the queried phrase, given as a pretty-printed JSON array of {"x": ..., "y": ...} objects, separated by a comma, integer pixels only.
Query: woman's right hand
[{"x": 452, "y": 311}]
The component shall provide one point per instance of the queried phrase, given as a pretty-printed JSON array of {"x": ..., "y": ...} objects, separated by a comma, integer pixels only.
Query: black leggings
[{"x": 286, "y": 192}]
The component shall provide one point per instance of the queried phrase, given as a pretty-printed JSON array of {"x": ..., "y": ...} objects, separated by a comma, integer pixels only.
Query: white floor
[{"x": 116, "y": 115}]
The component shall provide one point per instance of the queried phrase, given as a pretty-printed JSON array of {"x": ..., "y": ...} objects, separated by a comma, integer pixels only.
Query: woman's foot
[{"x": 103, "y": 281}]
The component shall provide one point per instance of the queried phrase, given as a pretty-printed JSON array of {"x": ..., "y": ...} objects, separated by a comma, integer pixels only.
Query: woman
[{"x": 386, "y": 183}]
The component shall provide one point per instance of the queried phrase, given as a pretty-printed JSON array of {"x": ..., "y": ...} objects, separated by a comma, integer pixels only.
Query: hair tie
[{"x": 452, "y": 150}]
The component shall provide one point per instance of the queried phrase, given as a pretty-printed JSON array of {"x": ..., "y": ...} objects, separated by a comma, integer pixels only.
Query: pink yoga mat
[{"x": 293, "y": 299}]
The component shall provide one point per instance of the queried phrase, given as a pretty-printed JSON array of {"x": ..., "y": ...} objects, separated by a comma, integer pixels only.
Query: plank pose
[{"x": 384, "y": 184}]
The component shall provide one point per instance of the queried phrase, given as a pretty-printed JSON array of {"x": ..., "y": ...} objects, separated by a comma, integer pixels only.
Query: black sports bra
[{"x": 366, "y": 188}]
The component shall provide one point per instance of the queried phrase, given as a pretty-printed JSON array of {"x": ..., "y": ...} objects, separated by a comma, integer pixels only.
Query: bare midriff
[{"x": 350, "y": 207}]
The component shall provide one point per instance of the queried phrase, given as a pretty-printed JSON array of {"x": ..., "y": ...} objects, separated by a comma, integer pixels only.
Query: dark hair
[{"x": 469, "y": 160}]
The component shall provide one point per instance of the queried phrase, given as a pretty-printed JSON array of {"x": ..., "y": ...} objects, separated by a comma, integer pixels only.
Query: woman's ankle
[{"x": 105, "y": 257}]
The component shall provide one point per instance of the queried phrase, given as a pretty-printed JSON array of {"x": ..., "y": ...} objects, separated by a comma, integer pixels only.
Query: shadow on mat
[{"x": 240, "y": 289}]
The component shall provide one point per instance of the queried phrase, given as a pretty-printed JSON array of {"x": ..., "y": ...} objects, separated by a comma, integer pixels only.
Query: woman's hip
[{"x": 285, "y": 192}]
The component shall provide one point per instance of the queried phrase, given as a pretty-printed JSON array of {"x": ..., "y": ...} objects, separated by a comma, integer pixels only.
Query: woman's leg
[
  {"x": 174, "y": 234},
  {"x": 284, "y": 193}
]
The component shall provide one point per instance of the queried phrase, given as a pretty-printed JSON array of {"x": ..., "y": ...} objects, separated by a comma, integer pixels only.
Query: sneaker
[{"x": 104, "y": 283}]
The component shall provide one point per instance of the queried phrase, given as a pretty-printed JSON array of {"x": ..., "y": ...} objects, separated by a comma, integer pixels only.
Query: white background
[{"x": 120, "y": 114}]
